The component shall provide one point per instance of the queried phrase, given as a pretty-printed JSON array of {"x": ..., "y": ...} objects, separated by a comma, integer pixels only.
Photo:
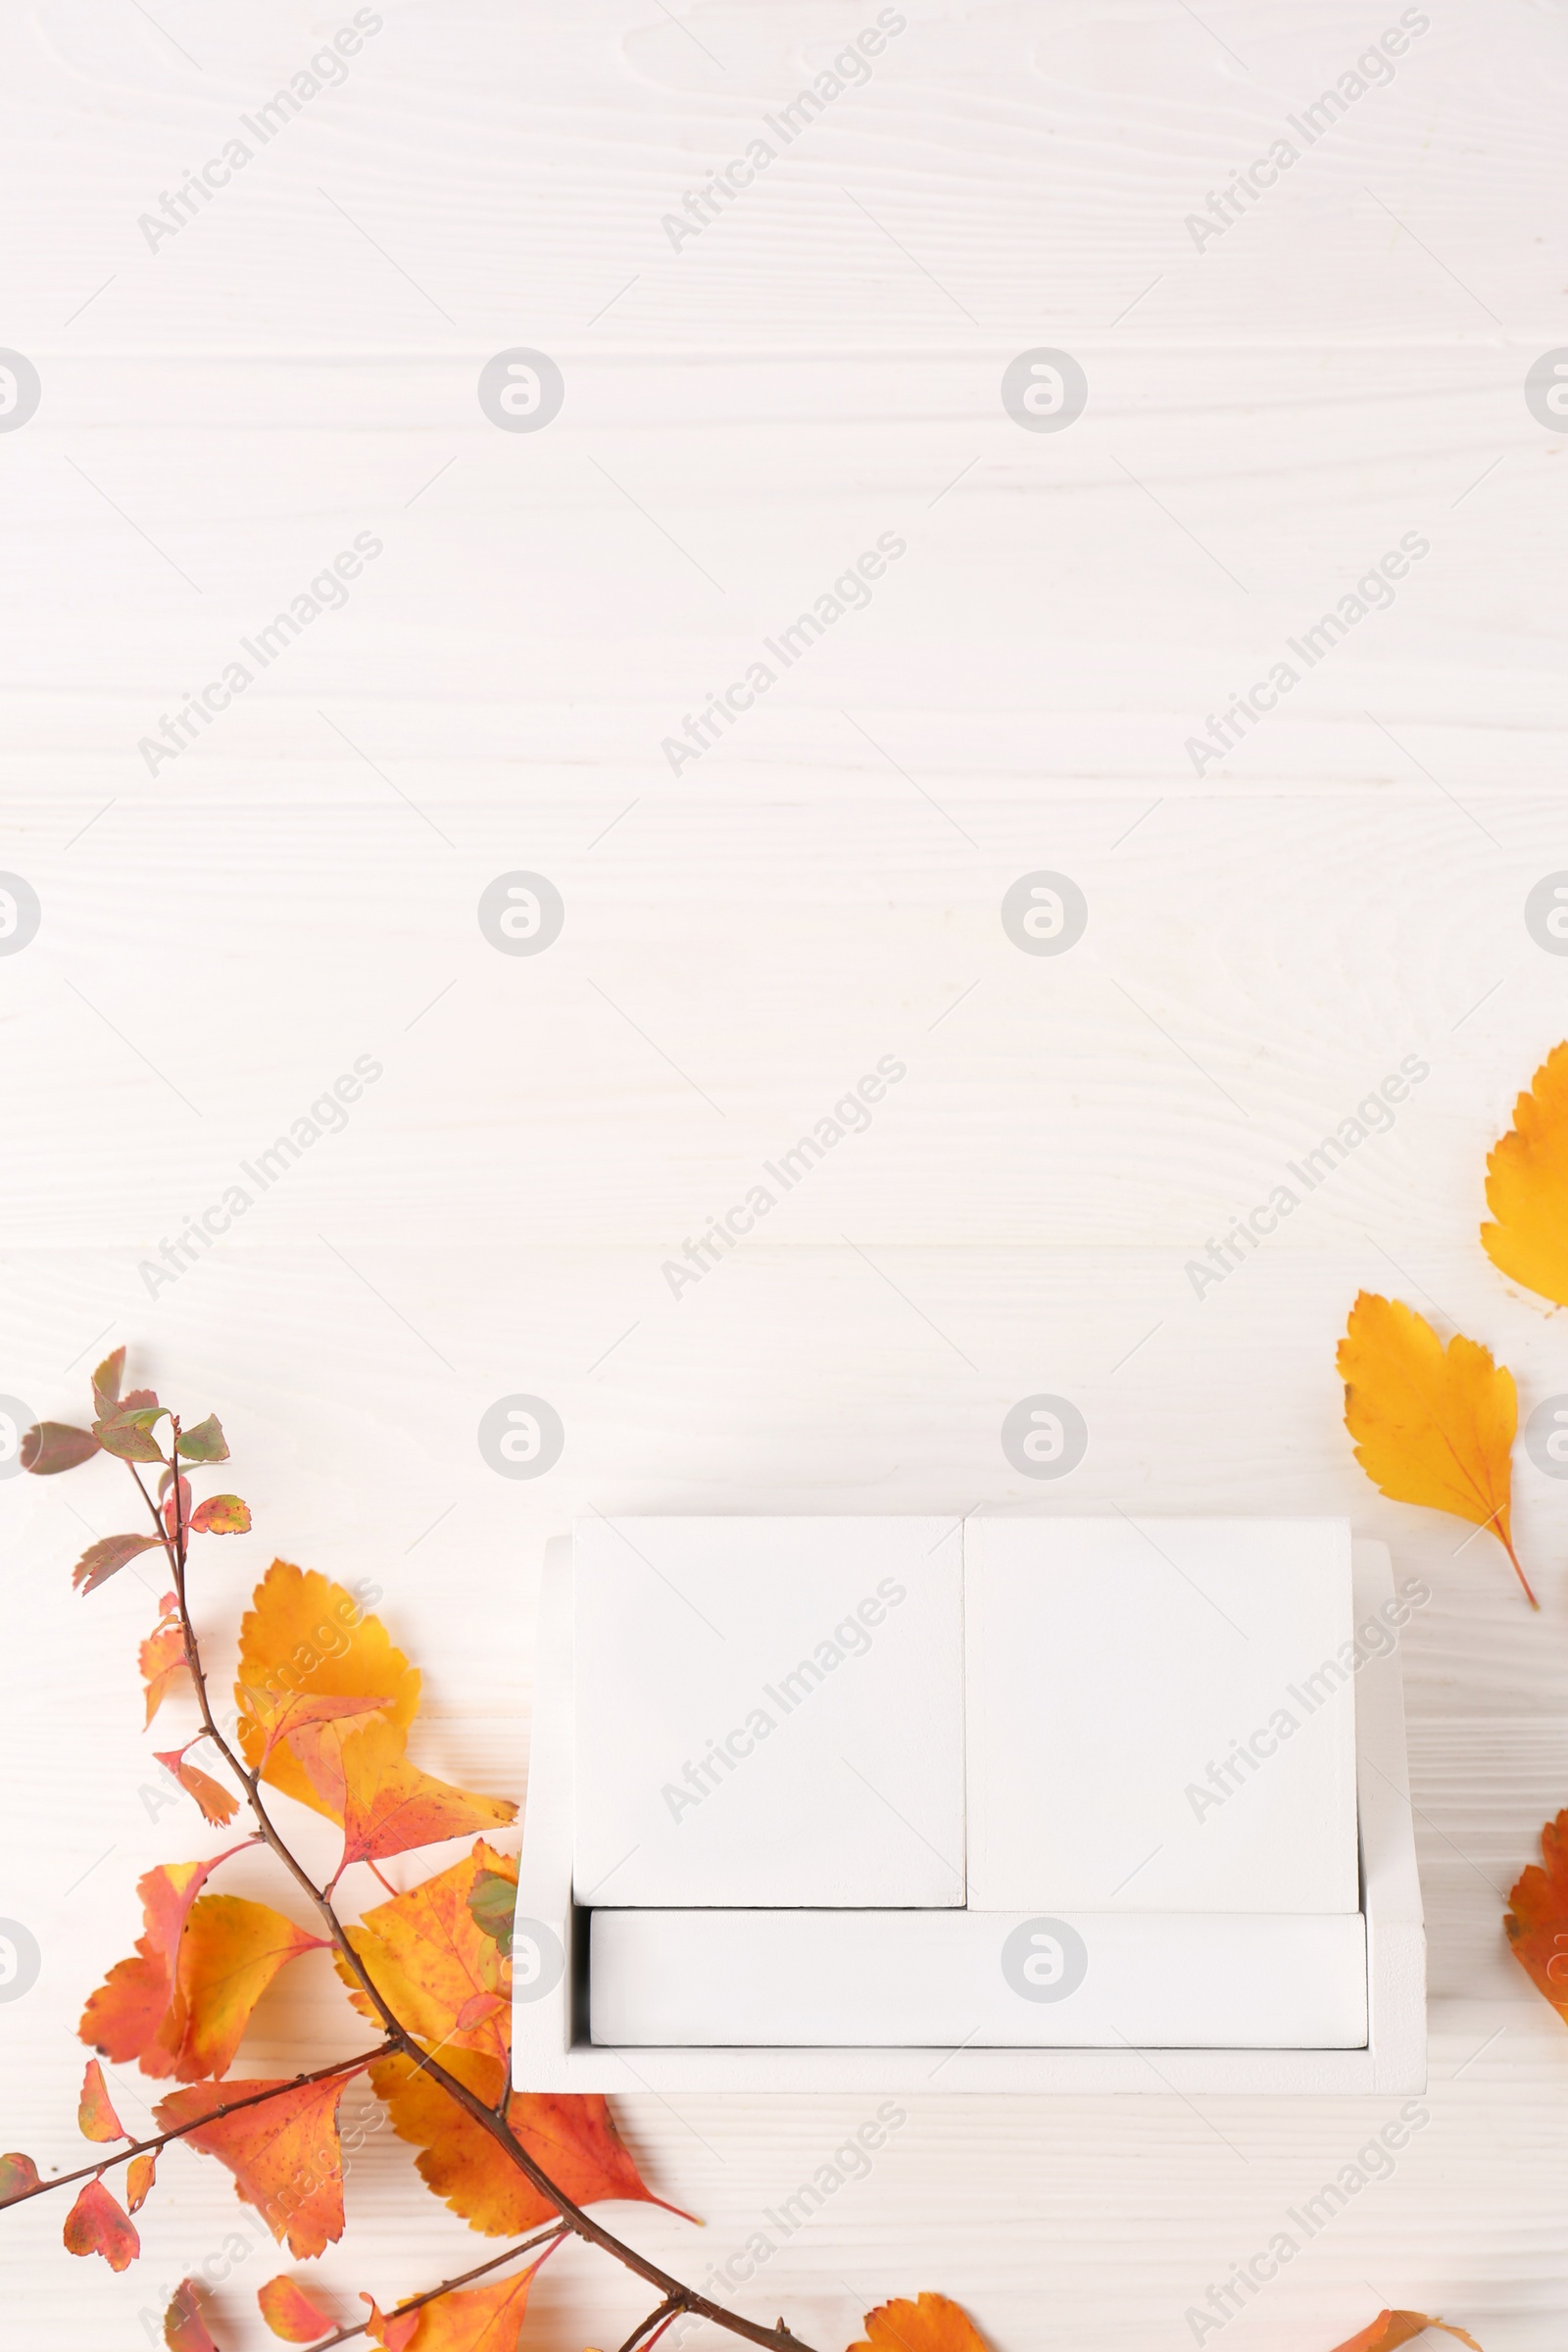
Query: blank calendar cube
[{"x": 769, "y": 1712}]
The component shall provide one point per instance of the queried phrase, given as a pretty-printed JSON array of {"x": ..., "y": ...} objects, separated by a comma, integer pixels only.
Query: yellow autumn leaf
[
  {"x": 1527, "y": 1186},
  {"x": 1432, "y": 1424},
  {"x": 305, "y": 1634}
]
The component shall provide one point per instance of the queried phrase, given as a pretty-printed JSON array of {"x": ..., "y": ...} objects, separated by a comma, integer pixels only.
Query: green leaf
[
  {"x": 128, "y": 1435},
  {"x": 106, "y": 1384},
  {"x": 52, "y": 1446},
  {"x": 492, "y": 1900},
  {"x": 17, "y": 2174},
  {"x": 100, "y": 1561},
  {"x": 205, "y": 1443},
  {"x": 221, "y": 1515}
]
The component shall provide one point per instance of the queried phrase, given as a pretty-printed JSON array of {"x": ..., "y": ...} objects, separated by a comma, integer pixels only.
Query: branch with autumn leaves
[{"x": 324, "y": 1702}]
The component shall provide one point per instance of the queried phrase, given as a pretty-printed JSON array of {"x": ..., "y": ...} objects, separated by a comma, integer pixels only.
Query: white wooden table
[{"x": 746, "y": 411}]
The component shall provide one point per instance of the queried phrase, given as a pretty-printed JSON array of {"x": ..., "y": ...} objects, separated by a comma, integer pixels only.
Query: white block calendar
[{"x": 1010, "y": 1804}]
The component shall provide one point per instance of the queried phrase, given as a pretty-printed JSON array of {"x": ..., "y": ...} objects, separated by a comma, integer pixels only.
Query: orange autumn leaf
[
  {"x": 305, "y": 1634},
  {"x": 393, "y": 2329},
  {"x": 1527, "y": 1186},
  {"x": 570, "y": 2135},
  {"x": 184, "y": 2328},
  {"x": 95, "y": 2114},
  {"x": 140, "y": 2174},
  {"x": 930, "y": 2324},
  {"x": 138, "y": 2012},
  {"x": 219, "y": 1805},
  {"x": 1391, "y": 2328},
  {"x": 432, "y": 1963},
  {"x": 97, "y": 2224},
  {"x": 289, "y": 2311},
  {"x": 1536, "y": 1921},
  {"x": 1432, "y": 1424},
  {"x": 386, "y": 1804},
  {"x": 229, "y": 1950},
  {"x": 161, "y": 1657},
  {"x": 476, "y": 2319},
  {"x": 285, "y": 2154}
]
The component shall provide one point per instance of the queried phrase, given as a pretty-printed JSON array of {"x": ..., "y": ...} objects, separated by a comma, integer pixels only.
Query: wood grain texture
[{"x": 1266, "y": 941}]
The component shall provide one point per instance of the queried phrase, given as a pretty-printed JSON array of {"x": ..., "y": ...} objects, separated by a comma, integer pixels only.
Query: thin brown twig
[
  {"x": 499, "y": 2128},
  {"x": 658, "y": 2319}
]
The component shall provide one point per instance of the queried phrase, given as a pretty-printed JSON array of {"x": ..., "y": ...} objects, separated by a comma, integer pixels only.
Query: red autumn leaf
[
  {"x": 388, "y": 1806},
  {"x": 18, "y": 2174},
  {"x": 1391, "y": 2328},
  {"x": 218, "y": 1804},
  {"x": 100, "y": 1561},
  {"x": 285, "y": 2154},
  {"x": 95, "y": 2114},
  {"x": 175, "y": 1512},
  {"x": 1536, "y": 1922},
  {"x": 206, "y": 1442},
  {"x": 140, "y": 2174},
  {"x": 184, "y": 2328},
  {"x": 289, "y": 2311},
  {"x": 97, "y": 2224},
  {"x": 51, "y": 1447},
  {"x": 570, "y": 2135},
  {"x": 161, "y": 1657},
  {"x": 221, "y": 1515},
  {"x": 474, "y": 2011}
]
